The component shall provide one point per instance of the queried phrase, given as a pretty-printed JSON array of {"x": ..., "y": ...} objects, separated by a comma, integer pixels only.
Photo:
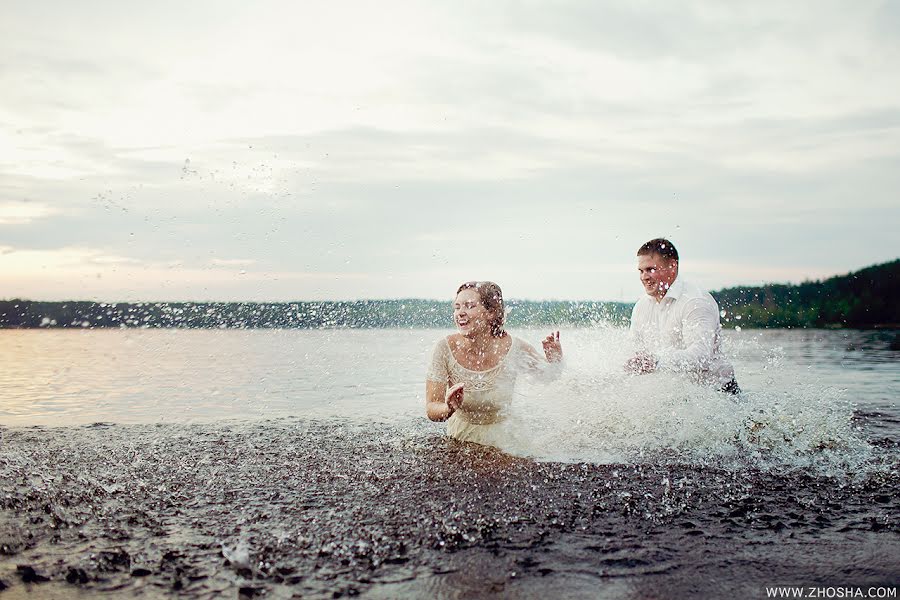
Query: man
[{"x": 676, "y": 325}]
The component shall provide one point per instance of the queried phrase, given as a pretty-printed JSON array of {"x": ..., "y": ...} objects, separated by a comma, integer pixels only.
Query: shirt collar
[{"x": 675, "y": 290}]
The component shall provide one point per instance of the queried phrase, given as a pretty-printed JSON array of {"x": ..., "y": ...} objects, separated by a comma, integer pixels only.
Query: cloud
[
  {"x": 232, "y": 262},
  {"x": 93, "y": 258},
  {"x": 530, "y": 144},
  {"x": 21, "y": 213},
  {"x": 89, "y": 273}
]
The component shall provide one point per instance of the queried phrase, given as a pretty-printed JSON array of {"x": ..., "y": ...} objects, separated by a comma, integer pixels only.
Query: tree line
[
  {"x": 866, "y": 298},
  {"x": 863, "y": 299},
  {"x": 302, "y": 315}
]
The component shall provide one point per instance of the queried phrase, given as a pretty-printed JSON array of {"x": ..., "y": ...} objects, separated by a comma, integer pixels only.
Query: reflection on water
[
  {"x": 57, "y": 377},
  {"x": 216, "y": 490},
  {"x": 145, "y": 376},
  {"x": 810, "y": 396}
]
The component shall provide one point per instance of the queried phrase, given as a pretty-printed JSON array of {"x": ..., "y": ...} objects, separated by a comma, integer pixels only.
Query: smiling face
[
  {"x": 657, "y": 274},
  {"x": 470, "y": 314}
]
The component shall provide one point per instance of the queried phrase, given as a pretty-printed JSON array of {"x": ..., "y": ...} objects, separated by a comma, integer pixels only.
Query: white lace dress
[{"x": 483, "y": 416}]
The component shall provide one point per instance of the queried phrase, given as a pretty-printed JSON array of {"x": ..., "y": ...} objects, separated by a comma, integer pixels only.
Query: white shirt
[{"x": 683, "y": 332}]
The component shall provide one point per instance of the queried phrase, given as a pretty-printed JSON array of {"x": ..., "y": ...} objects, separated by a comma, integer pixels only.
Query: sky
[{"x": 278, "y": 151}]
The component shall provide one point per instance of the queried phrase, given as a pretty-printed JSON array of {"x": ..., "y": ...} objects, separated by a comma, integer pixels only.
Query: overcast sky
[{"x": 303, "y": 150}]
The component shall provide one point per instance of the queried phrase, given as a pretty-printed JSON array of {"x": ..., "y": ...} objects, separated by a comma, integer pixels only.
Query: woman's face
[{"x": 470, "y": 315}]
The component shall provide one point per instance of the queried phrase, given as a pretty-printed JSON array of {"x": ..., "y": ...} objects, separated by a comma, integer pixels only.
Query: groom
[{"x": 676, "y": 325}]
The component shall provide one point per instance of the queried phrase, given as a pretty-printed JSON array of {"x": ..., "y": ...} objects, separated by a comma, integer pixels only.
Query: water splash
[{"x": 598, "y": 413}]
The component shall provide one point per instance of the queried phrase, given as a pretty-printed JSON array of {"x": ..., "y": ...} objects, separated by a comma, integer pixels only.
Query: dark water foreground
[{"x": 329, "y": 509}]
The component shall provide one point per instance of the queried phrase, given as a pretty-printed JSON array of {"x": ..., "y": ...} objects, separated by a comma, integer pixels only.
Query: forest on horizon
[{"x": 863, "y": 299}]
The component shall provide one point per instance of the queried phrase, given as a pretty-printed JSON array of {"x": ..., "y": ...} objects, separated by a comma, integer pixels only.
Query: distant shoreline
[
  {"x": 359, "y": 314},
  {"x": 865, "y": 299}
]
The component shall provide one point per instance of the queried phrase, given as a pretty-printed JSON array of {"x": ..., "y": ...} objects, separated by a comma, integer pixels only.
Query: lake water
[
  {"x": 804, "y": 385},
  {"x": 294, "y": 461},
  {"x": 65, "y": 377}
]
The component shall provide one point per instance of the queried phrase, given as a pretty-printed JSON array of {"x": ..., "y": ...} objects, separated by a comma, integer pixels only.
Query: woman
[{"x": 473, "y": 372}]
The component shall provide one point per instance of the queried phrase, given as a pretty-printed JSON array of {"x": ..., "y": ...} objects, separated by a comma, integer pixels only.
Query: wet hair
[
  {"x": 660, "y": 246},
  {"x": 492, "y": 299}
]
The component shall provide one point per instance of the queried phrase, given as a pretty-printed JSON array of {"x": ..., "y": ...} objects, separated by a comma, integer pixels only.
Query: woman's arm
[
  {"x": 441, "y": 403},
  {"x": 437, "y": 396},
  {"x": 545, "y": 368}
]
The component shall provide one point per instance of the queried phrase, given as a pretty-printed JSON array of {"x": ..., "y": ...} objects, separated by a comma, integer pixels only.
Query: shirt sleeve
[
  {"x": 439, "y": 370},
  {"x": 699, "y": 328}
]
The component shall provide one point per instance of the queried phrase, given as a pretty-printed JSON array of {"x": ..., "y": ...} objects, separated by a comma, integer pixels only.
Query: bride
[{"x": 472, "y": 376}]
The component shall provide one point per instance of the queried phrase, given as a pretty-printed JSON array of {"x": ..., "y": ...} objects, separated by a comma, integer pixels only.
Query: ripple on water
[{"x": 318, "y": 507}]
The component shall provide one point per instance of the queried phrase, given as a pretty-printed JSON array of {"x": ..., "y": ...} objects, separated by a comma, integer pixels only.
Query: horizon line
[{"x": 637, "y": 296}]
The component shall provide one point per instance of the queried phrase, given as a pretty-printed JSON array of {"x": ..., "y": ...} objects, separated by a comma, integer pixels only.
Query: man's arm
[{"x": 698, "y": 331}]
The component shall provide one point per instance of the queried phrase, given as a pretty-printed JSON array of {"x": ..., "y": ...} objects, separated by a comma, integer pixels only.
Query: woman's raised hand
[
  {"x": 454, "y": 397},
  {"x": 552, "y": 347}
]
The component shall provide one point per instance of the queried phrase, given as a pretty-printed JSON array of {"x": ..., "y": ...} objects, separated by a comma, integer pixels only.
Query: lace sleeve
[{"x": 439, "y": 370}]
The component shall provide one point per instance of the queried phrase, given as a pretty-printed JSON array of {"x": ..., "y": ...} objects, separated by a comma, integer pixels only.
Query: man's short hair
[{"x": 660, "y": 246}]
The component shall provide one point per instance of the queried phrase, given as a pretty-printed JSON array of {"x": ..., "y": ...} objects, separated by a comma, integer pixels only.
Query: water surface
[{"x": 283, "y": 463}]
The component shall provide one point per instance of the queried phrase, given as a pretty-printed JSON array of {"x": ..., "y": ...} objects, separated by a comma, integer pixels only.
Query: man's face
[{"x": 657, "y": 273}]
